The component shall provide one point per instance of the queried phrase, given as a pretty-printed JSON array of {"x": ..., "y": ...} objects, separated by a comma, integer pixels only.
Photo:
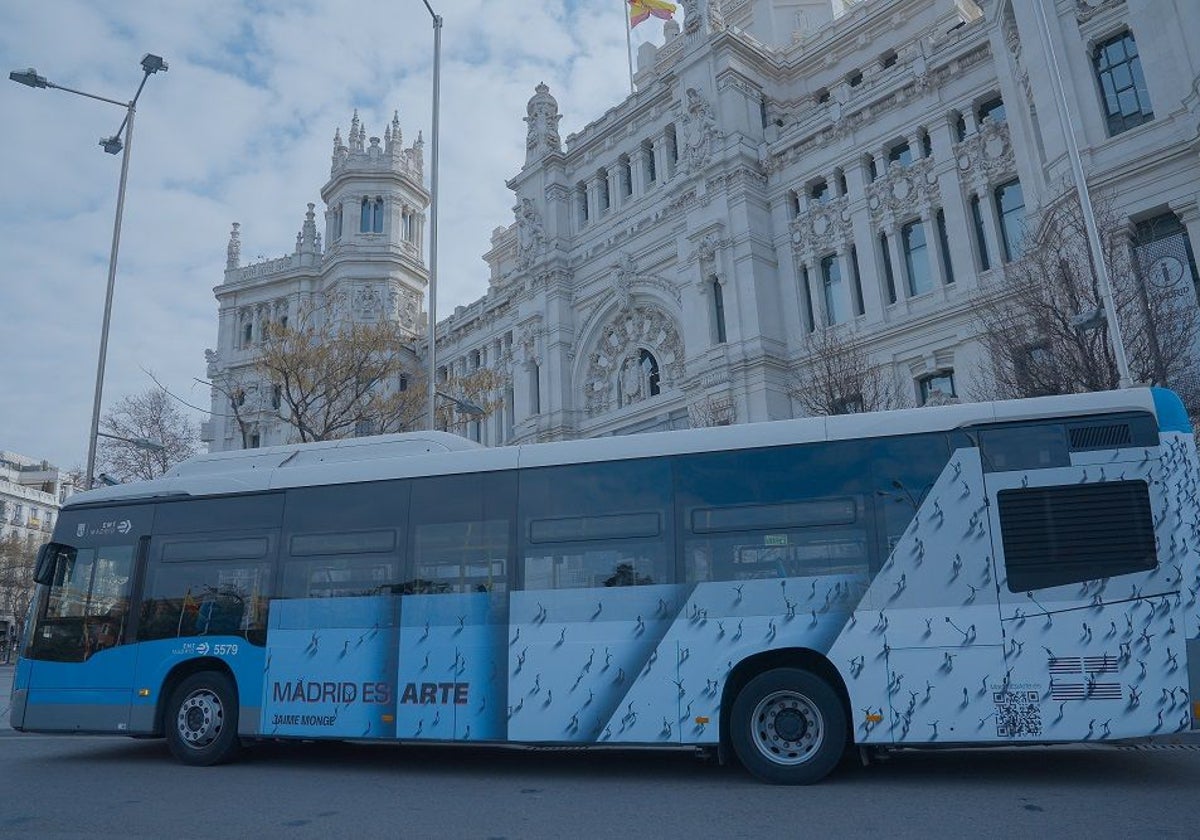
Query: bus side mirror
[{"x": 43, "y": 570}]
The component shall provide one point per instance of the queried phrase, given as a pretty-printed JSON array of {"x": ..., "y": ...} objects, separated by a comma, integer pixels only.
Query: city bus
[{"x": 1018, "y": 572}]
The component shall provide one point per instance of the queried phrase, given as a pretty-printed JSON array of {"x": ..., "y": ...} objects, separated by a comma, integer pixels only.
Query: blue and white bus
[{"x": 989, "y": 573}]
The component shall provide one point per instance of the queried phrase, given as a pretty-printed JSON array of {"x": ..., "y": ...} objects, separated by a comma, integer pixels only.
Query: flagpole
[{"x": 628, "y": 43}]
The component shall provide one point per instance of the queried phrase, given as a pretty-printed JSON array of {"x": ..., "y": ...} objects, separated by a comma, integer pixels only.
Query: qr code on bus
[{"x": 1018, "y": 713}]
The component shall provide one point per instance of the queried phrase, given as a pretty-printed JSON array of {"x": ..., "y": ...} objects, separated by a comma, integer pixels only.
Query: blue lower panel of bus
[{"x": 643, "y": 664}]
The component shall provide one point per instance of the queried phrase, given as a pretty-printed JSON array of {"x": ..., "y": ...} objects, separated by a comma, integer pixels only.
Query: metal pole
[
  {"x": 433, "y": 219},
  {"x": 1085, "y": 203},
  {"x": 108, "y": 299}
]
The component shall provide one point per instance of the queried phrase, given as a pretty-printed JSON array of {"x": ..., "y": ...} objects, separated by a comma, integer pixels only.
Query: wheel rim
[
  {"x": 200, "y": 719},
  {"x": 787, "y": 728}
]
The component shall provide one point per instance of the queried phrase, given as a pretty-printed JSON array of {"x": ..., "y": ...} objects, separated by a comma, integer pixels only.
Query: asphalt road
[{"x": 67, "y": 787}]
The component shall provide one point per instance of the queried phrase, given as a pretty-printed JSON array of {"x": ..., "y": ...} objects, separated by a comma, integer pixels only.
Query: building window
[
  {"x": 1119, "y": 73},
  {"x": 364, "y": 216},
  {"x": 672, "y": 144},
  {"x": 992, "y": 109},
  {"x": 377, "y": 216},
  {"x": 926, "y": 145},
  {"x": 806, "y": 291},
  {"x": 1010, "y": 207},
  {"x": 337, "y": 223},
  {"x": 854, "y": 78},
  {"x": 872, "y": 169},
  {"x": 719, "y": 310},
  {"x": 648, "y": 368},
  {"x": 535, "y": 389},
  {"x": 625, "y": 176},
  {"x": 937, "y": 387},
  {"x": 581, "y": 200},
  {"x": 960, "y": 128},
  {"x": 901, "y": 154},
  {"x": 889, "y": 276},
  {"x": 602, "y": 189},
  {"x": 648, "y": 157},
  {"x": 916, "y": 258},
  {"x": 819, "y": 192},
  {"x": 247, "y": 334},
  {"x": 831, "y": 278},
  {"x": 255, "y": 440},
  {"x": 1164, "y": 253},
  {"x": 822, "y": 96},
  {"x": 981, "y": 246},
  {"x": 888, "y": 59},
  {"x": 402, "y": 385},
  {"x": 860, "y": 306},
  {"x": 944, "y": 245},
  {"x": 276, "y": 396}
]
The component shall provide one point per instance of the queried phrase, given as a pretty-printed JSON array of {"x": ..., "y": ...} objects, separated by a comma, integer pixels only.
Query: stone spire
[
  {"x": 233, "y": 251},
  {"x": 393, "y": 136},
  {"x": 542, "y": 138},
  {"x": 307, "y": 241}
]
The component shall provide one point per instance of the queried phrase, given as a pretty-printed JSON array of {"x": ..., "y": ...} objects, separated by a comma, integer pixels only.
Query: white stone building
[
  {"x": 31, "y": 493},
  {"x": 787, "y": 167}
]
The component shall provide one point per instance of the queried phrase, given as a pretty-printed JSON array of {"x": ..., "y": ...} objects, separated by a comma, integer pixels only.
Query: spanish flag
[{"x": 640, "y": 10}]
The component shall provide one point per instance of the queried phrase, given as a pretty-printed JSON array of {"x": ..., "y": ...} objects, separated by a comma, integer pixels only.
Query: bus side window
[
  {"x": 344, "y": 540},
  {"x": 462, "y": 533},
  {"x": 207, "y": 587},
  {"x": 597, "y": 524}
]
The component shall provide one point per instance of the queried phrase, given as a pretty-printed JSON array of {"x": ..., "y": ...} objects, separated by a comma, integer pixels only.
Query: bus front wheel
[
  {"x": 202, "y": 719},
  {"x": 788, "y": 727}
]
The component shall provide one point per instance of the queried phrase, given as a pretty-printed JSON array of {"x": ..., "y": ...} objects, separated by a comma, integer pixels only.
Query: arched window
[
  {"x": 364, "y": 219},
  {"x": 648, "y": 367},
  {"x": 337, "y": 223},
  {"x": 377, "y": 217}
]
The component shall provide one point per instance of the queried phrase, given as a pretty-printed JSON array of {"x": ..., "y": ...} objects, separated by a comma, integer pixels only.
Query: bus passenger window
[{"x": 207, "y": 588}]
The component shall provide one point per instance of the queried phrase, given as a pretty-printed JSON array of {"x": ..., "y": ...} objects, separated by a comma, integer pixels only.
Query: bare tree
[
  {"x": 1034, "y": 322},
  {"x": 151, "y": 416},
  {"x": 16, "y": 575},
  {"x": 331, "y": 378},
  {"x": 840, "y": 377}
]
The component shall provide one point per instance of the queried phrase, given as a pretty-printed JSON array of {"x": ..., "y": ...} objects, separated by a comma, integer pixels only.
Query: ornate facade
[{"x": 791, "y": 166}]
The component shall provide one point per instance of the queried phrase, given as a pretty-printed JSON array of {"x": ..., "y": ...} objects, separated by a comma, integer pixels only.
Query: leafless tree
[
  {"x": 331, "y": 377},
  {"x": 152, "y": 416},
  {"x": 839, "y": 376},
  {"x": 1029, "y": 322},
  {"x": 16, "y": 575},
  {"x": 480, "y": 388}
]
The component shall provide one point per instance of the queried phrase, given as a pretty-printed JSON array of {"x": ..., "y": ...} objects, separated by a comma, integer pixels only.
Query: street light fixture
[
  {"x": 465, "y": 406},
  {"x": 112, "y": 145},
  {"x": 137, "y": 442},
  {"x": 433, "y": 214},
  {"x": 1107, "y": 311}
]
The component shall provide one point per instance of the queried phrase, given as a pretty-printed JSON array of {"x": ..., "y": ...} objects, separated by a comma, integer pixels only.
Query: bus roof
[{"x": 414, "y": 454}]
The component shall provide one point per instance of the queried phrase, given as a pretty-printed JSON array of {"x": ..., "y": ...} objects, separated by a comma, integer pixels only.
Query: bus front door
[{"x": 80, "y": 668}]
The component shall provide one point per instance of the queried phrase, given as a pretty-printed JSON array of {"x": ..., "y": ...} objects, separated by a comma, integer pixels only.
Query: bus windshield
[{"x": 85, "y": 607}]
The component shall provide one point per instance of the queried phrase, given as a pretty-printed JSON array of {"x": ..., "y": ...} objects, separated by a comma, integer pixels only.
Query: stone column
[{"x": 933, "y": 247}]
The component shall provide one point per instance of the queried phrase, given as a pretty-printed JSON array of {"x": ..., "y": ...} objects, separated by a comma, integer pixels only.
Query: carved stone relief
[
  {"x": 825, "y": 227},
  {"x": 902, "y": 191},
  {"x": 619, "y": 373}
]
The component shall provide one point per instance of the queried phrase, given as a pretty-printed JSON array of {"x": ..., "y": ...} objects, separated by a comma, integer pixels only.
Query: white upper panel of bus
[{"x": 439, "y": 453}]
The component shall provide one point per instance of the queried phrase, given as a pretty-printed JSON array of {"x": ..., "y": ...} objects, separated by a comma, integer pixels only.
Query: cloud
[{"x": 240, "y": 129}]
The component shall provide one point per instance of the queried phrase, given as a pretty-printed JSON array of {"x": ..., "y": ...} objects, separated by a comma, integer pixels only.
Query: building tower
[{"x": 370, "y": 267}]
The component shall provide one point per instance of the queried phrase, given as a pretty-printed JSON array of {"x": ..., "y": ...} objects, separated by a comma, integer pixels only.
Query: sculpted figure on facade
[
  {"x": 233, "y": 252},
  {"x": 531, "y": 233},
  {"x": 623, "y": 277},
  {"x": 699, "y": 131},
  {"x": 691, "y": 17},
  {"x": 541, "y": 135}
]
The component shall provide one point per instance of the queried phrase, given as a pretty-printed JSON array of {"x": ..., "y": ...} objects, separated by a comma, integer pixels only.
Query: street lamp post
[
  {"x": 150, "y": 64},
  {"x": 433, "y": 214},
  {"x": 1085, "y": 204}
]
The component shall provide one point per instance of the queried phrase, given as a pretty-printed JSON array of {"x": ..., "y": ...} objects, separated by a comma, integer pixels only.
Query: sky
[{"x": 240, "y": 128}]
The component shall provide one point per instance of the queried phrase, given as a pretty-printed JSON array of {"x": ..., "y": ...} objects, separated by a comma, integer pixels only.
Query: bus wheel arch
[
  {"x": 802, "y": 664},
  {"x": 198, "y": 712}
]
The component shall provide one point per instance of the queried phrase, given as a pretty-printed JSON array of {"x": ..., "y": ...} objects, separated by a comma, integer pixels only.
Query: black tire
[
  {"x": 202, "y": 720},
  {"x": 788, "y": 727}
]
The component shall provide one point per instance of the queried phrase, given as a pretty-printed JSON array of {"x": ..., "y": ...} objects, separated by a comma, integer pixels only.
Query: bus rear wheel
[
  {"x": 202, "y": 720},
  {"x": 788, "y": 727}
]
